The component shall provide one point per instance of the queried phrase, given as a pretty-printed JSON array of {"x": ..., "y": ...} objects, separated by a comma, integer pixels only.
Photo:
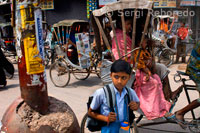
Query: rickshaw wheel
[
  {"x": 59, "y": 73},
  {"x": 166, "y": 57},
  {"x": 81, "y": 74},
  {"x": 84, "y": 129},
  {"x": 83, "y": 124}
]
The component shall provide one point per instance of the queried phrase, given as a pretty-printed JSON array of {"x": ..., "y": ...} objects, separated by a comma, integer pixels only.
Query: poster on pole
[
  {"x": 84, "y": 49},
  {"x": 104, "y": 2}
]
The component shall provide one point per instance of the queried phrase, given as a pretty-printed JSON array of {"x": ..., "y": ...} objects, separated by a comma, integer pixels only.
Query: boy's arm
[{"x": 110, "y": 118}]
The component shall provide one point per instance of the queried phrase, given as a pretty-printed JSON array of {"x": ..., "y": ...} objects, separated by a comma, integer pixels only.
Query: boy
[{"x": 120, "y": 74}]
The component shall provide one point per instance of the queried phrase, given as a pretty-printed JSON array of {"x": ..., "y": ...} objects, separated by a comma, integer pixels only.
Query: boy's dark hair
[{"x": 121, "y": 66}]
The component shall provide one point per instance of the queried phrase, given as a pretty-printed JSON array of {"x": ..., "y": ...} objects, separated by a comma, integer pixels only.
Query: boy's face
[
  {"x": 128, "y": 26},
  {"x": 120, "y": 79}
]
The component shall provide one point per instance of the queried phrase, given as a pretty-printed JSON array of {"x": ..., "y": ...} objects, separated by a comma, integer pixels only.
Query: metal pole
[{"x": 30, "y": 51}]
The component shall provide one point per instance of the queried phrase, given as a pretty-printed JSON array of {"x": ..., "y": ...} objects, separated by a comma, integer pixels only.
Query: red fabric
[{"x": 182, "y": 32}]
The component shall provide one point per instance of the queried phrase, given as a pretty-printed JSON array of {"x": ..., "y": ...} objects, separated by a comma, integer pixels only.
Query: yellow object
[{"x": 34, "y": 62}]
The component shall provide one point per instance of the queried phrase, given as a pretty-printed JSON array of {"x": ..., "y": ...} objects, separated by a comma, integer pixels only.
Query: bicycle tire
[
  {"x": 84, "y": 130},
  {"x": 83, "y": 123},
  {"x": 166, "y": 57},
  {"x": 82, "y": 74},
  {"x": 61, "y": 69}
]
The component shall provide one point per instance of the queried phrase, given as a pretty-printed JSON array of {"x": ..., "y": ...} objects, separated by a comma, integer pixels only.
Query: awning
[{"x": 190, "y": 3}]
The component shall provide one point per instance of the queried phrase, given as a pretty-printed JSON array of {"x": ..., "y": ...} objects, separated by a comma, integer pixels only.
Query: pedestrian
[
  {"x": 182, "y": 33},
  {"x": 3, "y": 81},
  {"x": 120, "y": 74}
]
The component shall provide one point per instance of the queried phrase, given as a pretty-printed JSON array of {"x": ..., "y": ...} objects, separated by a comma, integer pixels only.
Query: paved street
[{"x": 77, "y": 92}]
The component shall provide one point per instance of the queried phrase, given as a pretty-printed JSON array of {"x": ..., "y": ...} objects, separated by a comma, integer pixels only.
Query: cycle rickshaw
[
  {"x": 167, "y": 41},
  {"x": 111, "y": 11},
  {"x": 74, "y": 52}
]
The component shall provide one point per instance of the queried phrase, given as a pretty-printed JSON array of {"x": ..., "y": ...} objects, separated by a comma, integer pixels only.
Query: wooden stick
[
  {"x": 63, "y": 35},
  {"x": 143, "y": 35},
  {"x": 114, "y": 33},
  {"x": 133, "y": 35},
  {"x": 59, "y": 35},
  {"x": 145, "y": 27},
  {"x": 55, "y": 34},
  {"x": 104, "y": 37},
  {"x": 124, "y": 34}
]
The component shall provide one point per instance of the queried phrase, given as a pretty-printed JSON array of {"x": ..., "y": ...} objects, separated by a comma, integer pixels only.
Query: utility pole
[
  {"x": 30, "y": 50},
  {"x": 34, "y": 111}
]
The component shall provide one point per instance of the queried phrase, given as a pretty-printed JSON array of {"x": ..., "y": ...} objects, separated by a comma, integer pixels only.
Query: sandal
[
  {"x": 170, "y": 116},
  {"x": 181, "y": 123}
]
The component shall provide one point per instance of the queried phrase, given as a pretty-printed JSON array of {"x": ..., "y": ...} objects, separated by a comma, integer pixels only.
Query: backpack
[{"x": 95, "y": 125}]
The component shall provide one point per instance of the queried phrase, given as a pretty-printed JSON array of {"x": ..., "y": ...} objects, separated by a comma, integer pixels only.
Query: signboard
[
  {"x": 83, "y": 48},
  {"x": 164, "y": 3},
  {"x": 47, "y": 4},
  {"x": 190, "y": 3},
  {"x": 104, "y": 2}
]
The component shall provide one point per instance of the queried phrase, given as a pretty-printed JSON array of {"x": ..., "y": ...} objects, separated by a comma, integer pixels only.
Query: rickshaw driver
[{"x": 193, "y": 69}]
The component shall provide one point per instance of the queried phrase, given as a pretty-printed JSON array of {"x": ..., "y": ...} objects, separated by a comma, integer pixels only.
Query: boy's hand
[
  {"x": 133, "y": 105},
  {"x": 112, "y": 117}
]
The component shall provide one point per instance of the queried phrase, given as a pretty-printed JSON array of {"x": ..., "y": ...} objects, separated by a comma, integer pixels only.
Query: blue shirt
[{"x": 99, "y": 100}]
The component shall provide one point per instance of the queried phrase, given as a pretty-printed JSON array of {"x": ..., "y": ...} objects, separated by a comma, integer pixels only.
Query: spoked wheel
[
  {"x": 83, "y": 124},
  {"x": 59, "y": 73},
  {"x": 81, "y": 74},
  {"x": 166, "y": 57},
  {"x": 194, "y": 126}
]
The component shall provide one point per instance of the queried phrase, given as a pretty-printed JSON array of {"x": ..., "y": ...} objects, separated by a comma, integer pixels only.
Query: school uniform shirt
[{"x": 99, "y": 100}]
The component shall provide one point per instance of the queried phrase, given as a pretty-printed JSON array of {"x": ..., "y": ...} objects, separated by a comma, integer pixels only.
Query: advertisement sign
[
  {"x": 104, "y": 2},
  {"x": 190, "y": 3},
  {"x": 164, "y": 3},
  {"x": 47, "y": 4},
  {"x": 187, "y": 3},
  {"x": 84, "y": 49}
]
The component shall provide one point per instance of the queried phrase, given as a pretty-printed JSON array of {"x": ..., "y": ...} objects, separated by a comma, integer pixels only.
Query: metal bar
[
  {"x": 154, "y": 123},
  {"x": 188, "y": 97},
  {"x": 124, "y": 34},
  {"x": 133, "y": 35},
  {"x": 104, "y": 37},
  {"x": 114, "y": 33}
]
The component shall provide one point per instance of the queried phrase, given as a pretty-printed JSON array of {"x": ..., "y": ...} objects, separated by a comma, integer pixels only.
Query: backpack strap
[
  {"x": 129, "y": 94},
  {"x": 110, "y": 97}
]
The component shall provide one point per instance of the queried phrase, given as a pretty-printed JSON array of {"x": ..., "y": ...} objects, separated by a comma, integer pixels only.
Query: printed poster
[
  {"x": 32, "y": 45},
  {"x": 34, "y": 62},
  {"x": 84, "y": 49}
]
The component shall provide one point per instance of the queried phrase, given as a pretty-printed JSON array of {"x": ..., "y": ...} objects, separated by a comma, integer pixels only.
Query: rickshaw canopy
[
  {"x": 124, "y": 4},
  {"x": 68, "y": 22},
  {"x": 5, "y": 24}
]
